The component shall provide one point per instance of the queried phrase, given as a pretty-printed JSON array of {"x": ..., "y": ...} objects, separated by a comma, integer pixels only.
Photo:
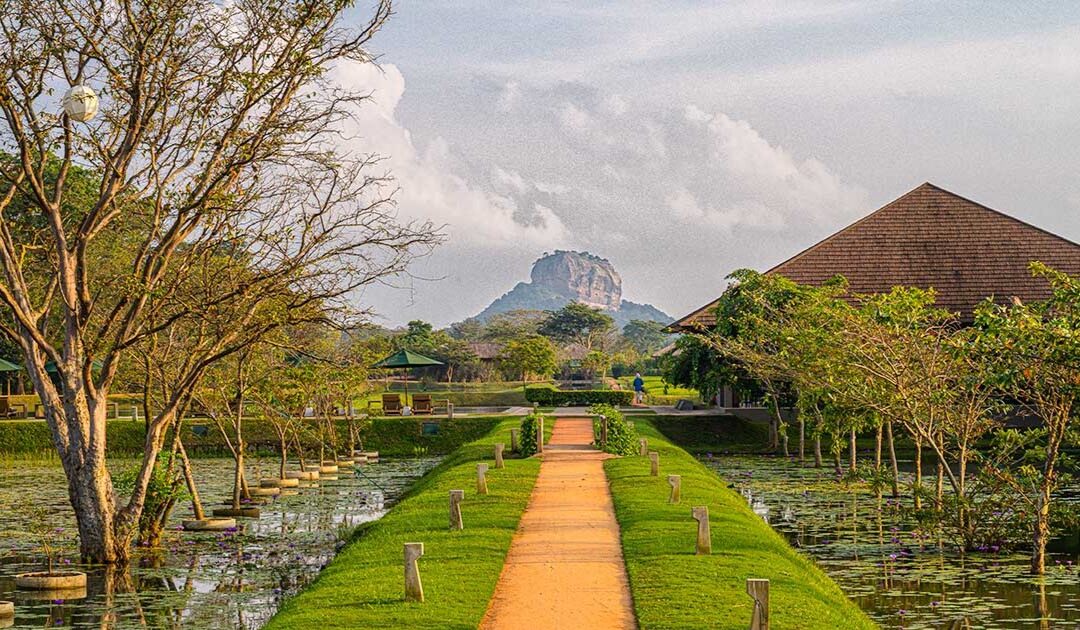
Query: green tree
[
  {"x": 205, "y": 147},
  {"x": 502, "y": 327},
  {"x": 1034, "y": 349},
  {"x": 578, "y": 323},
  {"x": 645, "y": 336},
  {"x": 533, "y": 355}
]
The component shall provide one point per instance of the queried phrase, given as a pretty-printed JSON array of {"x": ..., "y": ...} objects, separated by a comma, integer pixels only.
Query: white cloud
[{"x": 431, "y": 186}]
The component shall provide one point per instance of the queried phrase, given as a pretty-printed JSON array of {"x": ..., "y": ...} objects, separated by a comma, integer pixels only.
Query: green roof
[{"x": 406, "y": 359}]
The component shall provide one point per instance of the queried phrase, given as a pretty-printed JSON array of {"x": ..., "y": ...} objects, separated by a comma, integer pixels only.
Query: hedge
[
  {"x": 547, "y": 397},
  {"x": 389, "y": 436}
]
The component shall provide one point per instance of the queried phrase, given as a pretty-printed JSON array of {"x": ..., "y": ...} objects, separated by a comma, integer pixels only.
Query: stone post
[
  {"x": 540, "y": 435},
  {"x": 654, "y": 461},
  {"x": 676, "y": 488},
  {"x": 414, "y": 590},
  {"x": 456, "y": 497},
  {"x": 481, "y": 478},
  {"x": 499, "y": 448},
  {"x": 603, "y": 432},
  {"x": 704, "y": 538},
  {"x": 759, "y": 590},
  {"x": 514, "y": 440},
  {"x": 449, "y": 411},
  {"x": 643, "y": 450}
]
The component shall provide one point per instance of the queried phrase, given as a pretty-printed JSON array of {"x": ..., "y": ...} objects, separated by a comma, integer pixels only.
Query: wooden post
[
  {"x": 449, "y": 411},
  {"x": 704, "y": 538},
  {"x": 603, "y": 432},
  {"x": 654, "y": 461},
  {"x": 414, "y": 590},
  {"x": 514, "y": 440},
  {"x": 643, "y": 449},
  {"x": 676, "y": 488},
  {"x": 759, "y": 590},
  {"x": 499, "y": 448},
  {"x": 540, "y": 435},
  {"x": 456, "y": 497},
  {"x": 481, "y": 478}
]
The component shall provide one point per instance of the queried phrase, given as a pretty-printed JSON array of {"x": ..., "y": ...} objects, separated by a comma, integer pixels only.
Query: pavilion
[{"x": 928, "y": 238}]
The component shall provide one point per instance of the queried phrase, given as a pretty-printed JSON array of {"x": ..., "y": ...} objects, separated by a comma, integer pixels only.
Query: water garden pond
[
  {"x": 206, "y": 580},
  {"x": 878, "y": 558}
]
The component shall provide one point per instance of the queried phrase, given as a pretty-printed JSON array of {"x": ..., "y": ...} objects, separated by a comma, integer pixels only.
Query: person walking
[{"x": 639, "y": 389}]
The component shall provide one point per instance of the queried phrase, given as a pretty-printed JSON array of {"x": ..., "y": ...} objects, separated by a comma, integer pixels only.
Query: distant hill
[{"x": 563, "y": 277}]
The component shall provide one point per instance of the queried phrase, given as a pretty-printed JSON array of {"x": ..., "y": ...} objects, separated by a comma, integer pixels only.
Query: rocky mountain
[{"x": 563, "y": 277}]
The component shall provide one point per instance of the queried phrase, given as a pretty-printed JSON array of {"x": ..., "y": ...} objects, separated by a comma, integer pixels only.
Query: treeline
[
  {"x": 574, "y": 341},
  {"x": 893, "y": 363}
]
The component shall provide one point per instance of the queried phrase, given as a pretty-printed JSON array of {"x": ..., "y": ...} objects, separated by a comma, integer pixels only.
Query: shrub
[
  {"x": 621, "y": 435},
  {"x": 549, "y": 397},
  {"x": 529, "y": 423}
]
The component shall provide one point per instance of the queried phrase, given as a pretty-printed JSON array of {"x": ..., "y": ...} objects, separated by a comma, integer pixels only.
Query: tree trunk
[
  {"x": 238, "y": 475},
  {"x": 892, "y": 460},
  {"x": 94, "y": 501},
  {"x": 817, "y": 451},
  {"x": 196, "y": 503},
  {"x": 836, "y": 462},
  {"x": 1041, "y": 534},
  {"x": 802, "y": 440},
  {"x": 916, "y": 484},
  {"x": 940, "y": 492},
  {"x": 852, "y": 454},
  {"x": 877, "y": 462}
]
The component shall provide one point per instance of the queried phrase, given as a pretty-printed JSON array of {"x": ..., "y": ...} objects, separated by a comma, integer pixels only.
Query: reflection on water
[
  {"x": 899, "y": 577},
  {"x": 211, "y": 580}
]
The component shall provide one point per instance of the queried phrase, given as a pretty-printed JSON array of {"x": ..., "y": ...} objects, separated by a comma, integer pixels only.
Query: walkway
[{"x": 565, "y": 567}]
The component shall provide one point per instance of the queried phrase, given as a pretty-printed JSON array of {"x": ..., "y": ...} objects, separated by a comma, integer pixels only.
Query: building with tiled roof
[{"x": 929, "y": 238}]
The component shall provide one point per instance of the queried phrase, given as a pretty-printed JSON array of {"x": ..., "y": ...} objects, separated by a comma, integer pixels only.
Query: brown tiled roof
[
  {"x": 486, "y": 350},
  {"x": 929, "y": 238}
]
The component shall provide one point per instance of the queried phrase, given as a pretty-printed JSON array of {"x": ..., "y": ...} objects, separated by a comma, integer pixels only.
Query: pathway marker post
[
  {"x": 676, "y": 488},
  {"x": 704, "y": 537},
  {"x": 499, "y": 448},
  {"x": 654, "y": 461},
  {"x": 481, "y": 478},
  {"x": 514, "y": 440},
  {"x": 414, "y": 589},
  {"x": 759, "y": 590},
  {"x": 540, "y": 435},
  {"x": 456, "y": 497},
  {"x": 643, "y": 450}
]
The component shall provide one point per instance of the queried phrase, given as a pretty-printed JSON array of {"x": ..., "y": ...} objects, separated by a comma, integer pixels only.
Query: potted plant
[{"x": 50, "y": 542}]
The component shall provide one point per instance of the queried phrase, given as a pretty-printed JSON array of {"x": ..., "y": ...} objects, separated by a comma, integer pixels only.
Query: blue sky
[{"x": 683, "y": 140}]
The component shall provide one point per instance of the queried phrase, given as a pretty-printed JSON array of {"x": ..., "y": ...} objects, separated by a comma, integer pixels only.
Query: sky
[{"x": 685, "y": 139}]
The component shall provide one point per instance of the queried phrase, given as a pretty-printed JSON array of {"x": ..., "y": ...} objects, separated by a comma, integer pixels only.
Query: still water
[
  {"x": 900, "y": 577},
  {"x": 207, "y": 580}
]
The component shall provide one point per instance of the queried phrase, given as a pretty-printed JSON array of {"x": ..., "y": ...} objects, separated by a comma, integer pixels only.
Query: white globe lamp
[{"x": 80, "y": 103}]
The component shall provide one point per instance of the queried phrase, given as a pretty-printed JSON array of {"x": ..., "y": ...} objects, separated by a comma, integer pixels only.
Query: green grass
[
  {"x": 716, "y": 434},
  {"x": 673, "y": 588},
  {"x": 363, "y": 587}
]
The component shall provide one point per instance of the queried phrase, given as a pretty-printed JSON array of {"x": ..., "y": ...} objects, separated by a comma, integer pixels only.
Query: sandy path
[{"x": 565, "y": 567}]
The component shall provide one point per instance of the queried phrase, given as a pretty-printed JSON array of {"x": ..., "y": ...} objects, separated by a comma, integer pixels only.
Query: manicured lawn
[
  {"x": 364, "y": 586},
  {"x": 673, "y": 588}
]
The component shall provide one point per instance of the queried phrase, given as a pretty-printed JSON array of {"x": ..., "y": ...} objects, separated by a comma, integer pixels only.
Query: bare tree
[{"x": 213, "y": 159}]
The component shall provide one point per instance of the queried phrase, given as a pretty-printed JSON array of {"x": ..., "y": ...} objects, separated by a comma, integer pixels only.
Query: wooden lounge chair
[
  {"x": 391, "y": 405},
  {"x": 421, "y": 404},
  {"x": 11, "y": 410}
]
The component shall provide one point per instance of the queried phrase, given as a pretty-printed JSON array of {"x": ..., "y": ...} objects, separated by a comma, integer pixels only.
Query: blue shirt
[{"x": 639, "y": 384}]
